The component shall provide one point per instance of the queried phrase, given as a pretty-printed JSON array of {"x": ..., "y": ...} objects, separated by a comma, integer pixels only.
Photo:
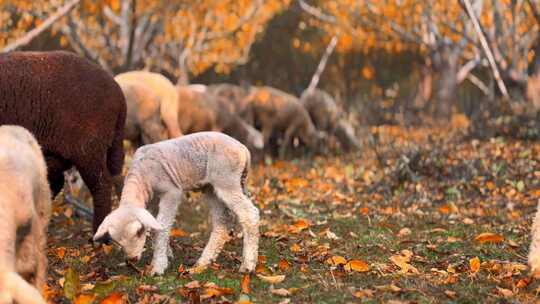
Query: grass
[{"x": 357, "y": 208}]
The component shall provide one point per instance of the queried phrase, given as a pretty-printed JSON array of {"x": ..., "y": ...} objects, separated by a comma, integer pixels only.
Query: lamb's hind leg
[
  {"x": 168, "y": 205},
  {"x": 248, "y": 217},
  {"x": 222, "y": 222}
]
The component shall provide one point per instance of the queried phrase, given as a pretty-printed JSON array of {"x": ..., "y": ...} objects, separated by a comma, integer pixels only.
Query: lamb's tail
[
  {"x": 245, "y": 172},
  {"x": 115, "y": 153},
  {"x": 20, "y": 291}
]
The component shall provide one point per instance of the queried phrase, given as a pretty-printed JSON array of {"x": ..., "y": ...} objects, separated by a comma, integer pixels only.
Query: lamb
[
  {"x": 143, "y": 121},
  {"x": 25, "y": 207},
  {"x": 211, "y": 161},
  {"x": 278, "y": 112},
  {"x": 75, "y": 110},
  {"x": 327, "y": 117},
  {"x": 165, "y": 90},
  {"x": 534, "y": 251}
]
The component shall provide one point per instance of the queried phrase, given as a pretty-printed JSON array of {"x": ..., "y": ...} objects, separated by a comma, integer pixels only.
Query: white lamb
[
  {"x": 25, "y": 204},
  {"x": 211, "y": 161},
  {"x": 534, "y": 251}
]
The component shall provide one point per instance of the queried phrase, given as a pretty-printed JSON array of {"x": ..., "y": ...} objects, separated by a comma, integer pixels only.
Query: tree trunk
[
  {"x": 447, "y": 68},
  {"x": 424, "y": 90}
]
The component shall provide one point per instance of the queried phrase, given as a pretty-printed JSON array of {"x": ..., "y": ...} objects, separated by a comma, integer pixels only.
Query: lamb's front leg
[
  {"x": 222, "y": 222},
  {"x": 168, "y": 205}
]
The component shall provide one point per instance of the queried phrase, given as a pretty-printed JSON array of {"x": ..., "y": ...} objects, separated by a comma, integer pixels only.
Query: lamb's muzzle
[{"x": 214, "y": 162}]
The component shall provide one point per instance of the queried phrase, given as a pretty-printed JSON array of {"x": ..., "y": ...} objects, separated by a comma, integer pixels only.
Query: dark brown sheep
[
  {"x": 277, "y": 112},
  {"x": 75, "y": 110}
]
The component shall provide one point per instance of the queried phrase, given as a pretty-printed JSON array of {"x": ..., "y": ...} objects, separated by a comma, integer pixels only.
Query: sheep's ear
[
  {"x": 147, "y": 219},
  {"x": 102, "y": 235}
]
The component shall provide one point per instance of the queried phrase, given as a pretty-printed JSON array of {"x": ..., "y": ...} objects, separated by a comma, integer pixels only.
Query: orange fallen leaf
[
  {"x": 444, "y": 209},
  {"x": 522, "y": 283},
  {"x": 60, "y": 252},
  {"x": 296, "y": 248},
  {"x": 244, "y": 284},
  {"x": 107, "y": 249},
  {"x": 176, "y": 232},
  {"x": 272, "y": 279},
  {"x": 505, "y": 292},
  {"x": 300, "y": 225},
  {"x": 84, "y": 299},
  {"x": 474, "y": 264},
  {"x": 113, "y": 298},
  {"x": 488, "y": 237},
  {"x": 336, "y": 260},
  {"x": 284, "y": 265},
  {"x": 356, "y": 265},
  {"x": 364, "y": 293}
]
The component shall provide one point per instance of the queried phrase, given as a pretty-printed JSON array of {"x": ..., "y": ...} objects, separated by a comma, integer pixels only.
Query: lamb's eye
[{"x": 140, "y": 232}]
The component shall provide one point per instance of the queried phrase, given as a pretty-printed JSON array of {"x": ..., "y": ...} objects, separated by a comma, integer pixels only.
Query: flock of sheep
[{"x": 59, "y": 111}]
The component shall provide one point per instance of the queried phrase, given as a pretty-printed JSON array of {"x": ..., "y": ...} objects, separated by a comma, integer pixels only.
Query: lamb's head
[{"x": 127, "y": 226}]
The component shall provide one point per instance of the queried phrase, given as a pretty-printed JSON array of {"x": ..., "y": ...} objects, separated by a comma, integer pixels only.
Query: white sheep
[
  {"x": 534, "y": 251},
  {"x": 211, "y": 161},
  {"x": 25, "y": 205}
]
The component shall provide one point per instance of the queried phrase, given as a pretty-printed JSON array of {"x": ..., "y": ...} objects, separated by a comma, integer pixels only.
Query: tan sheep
[
  {"x": 25, "y": 206},
  {"x": 214, "y": 162},
  {"x": 166, "y": 92},
  {"x": 143, "y": 120},
  {"x": 280, "y": 113}
]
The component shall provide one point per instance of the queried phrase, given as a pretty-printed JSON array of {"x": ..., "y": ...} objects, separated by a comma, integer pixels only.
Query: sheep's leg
[
  {"x": 248, "y": 217},
  {"x": 266, "y": 134},
  {"x": 222, "y": 222},
  {"x": 287, "y": 138},
  {"x": 98, "y": 180},
  {"x": 534, "y": 251},
  {"x": 168, "y": 205}
]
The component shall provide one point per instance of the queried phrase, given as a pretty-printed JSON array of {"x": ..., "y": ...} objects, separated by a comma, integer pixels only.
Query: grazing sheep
[
  {"x": 75, "y": 110},
  {"x": 278, "y": 112},
  {"x": 211, "y": 161},
  {"x": 534, "y": 251},
  {"x": 235, "y": 95},
  {"x": 327, "y": 117},
  {"x": 143, "y": 121},
  {"x": 25, "y": 207},
  {"x": 200, "y": 111},
  {"x": 165, "y": 90}
]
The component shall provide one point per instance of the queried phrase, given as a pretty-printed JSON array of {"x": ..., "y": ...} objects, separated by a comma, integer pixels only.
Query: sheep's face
[{"x": 127, "y": 226}]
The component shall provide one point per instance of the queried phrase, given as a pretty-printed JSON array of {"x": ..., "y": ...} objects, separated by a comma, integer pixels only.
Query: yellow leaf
[
  {"x": 296, "y": 248},
  {"x": 356, "y": 265},
  {"x": 488, "y": 237},
  {"x": 402, "y": 261},
  {"x": 336, "y": 260},
  {"x": 272, "y": 279},
  {"x": 474, "y": 264}
]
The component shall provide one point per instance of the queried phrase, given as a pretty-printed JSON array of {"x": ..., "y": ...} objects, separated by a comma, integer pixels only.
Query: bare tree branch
[
  {"x": 28, "y": 37},
  {"x": 322, "y": 64},
  {"x": 315, "y": 12},
  {"x": 486, "y": 48}
]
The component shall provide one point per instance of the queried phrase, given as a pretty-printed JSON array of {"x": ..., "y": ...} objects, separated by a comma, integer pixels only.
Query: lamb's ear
[
  {"x": 147, "y": 219},
  {"x": 102, "y": 235}
]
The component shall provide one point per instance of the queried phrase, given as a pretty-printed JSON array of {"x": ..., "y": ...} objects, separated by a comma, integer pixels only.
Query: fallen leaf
[
  {"x": 60, "y": 252},
  {"x": 107, "y": 249},
  {"x": 404, "y": 232},
  {"x": 243, "y": 299},
  {"x": 474, "y": 264},
  {"x": 296, "y": 248},
  {"x": 193, "y": 284},
  {"x": 488, "y": 237},
  {"x": 402, "y": 261},
  {"x": 284, "y": 265},
  {"x": 72, "y": 284},
  {"x": 391, "y": 287},
  {"x": 280, "y": 292},
  {"x": 245, "y": 283},
  {"x": 113, "y": 298},
  {"x": 300, "y": 225},
  {"x": 356, "y": 265},
  {"x": 85, "y": 299},
  {"x": 336, "y": 260},
  {"x": 216, "y": 292},
  {"x": 451, "y": 294},
  {"x": 272, "y": 279},
  {"x": 505, "y": 292},
  {"x": 176, "y": 232},
  {"x": 364, "y": 293},
  {"x": 522, "y": 283}
]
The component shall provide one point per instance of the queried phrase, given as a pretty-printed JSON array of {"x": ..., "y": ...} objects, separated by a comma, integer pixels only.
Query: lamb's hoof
[
  {"x": 197, "y": 269},
  {"x": 246, "y": 269}
]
